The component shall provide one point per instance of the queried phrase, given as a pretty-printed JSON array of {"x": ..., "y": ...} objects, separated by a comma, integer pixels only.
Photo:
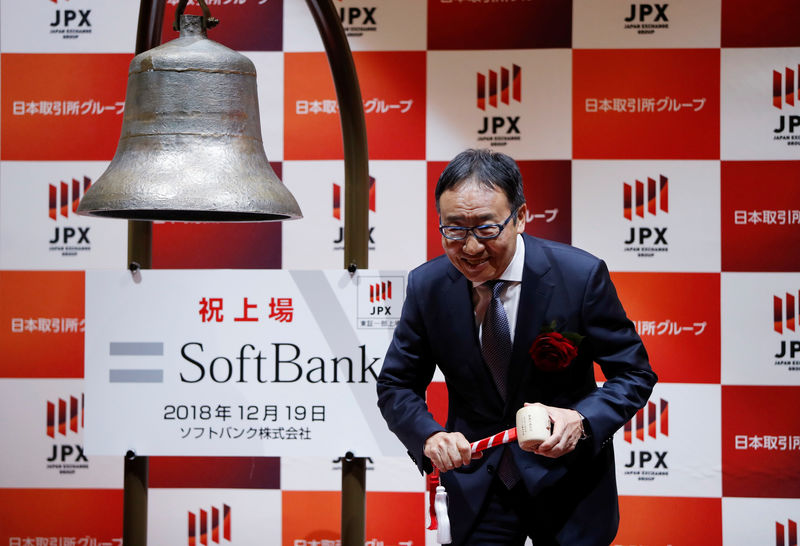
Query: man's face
[{"x": 472, "y": 204}]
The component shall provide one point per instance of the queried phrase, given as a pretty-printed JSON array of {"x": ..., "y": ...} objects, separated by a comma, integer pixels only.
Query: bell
[{"x": 190, "y": 147}]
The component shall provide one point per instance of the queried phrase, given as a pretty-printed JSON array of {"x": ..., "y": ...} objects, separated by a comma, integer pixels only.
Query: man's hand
[
  {"x": 448, "y": 450},
  {"x": 567, "y": 430}
]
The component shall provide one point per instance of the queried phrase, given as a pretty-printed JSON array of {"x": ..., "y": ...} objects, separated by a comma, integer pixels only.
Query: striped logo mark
[
  {"x": 64, "y": 202},
  {"x": 503, "y": 86},
  {"x": 210, "y": 526},
  {"x": 64, "y": 415},
  {"x": 784, "y": 87},
  {"x": 380, "y": 291},
  {"x": 789, "y": 305},
  {"x": 786, "y": 535},
  {"x": 656, "y": 198},
  {"x": 651, "y": 418}
]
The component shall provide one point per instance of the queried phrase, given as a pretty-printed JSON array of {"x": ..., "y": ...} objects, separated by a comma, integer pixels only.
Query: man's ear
[{"x": 522, "y": 216}]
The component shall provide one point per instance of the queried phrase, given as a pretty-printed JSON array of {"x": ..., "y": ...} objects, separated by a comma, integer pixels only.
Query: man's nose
[{"x": 472, "y": 245}]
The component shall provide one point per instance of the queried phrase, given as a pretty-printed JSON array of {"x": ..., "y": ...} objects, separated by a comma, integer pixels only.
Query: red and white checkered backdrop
[{"x": 663, "y": 137}]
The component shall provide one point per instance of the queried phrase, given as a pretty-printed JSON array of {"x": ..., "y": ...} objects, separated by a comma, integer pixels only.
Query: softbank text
[{"x": 285, "y": 366}]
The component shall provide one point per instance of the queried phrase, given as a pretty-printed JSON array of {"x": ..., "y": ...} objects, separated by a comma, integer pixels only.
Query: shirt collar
[{"x": 514, "y": 270}]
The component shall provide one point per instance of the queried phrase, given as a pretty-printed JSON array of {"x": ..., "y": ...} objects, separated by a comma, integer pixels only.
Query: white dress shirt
[{"x": 481, "y": 295}]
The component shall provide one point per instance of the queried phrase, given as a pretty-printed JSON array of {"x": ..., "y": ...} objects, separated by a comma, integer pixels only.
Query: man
[{"x": 481, "y": 334}]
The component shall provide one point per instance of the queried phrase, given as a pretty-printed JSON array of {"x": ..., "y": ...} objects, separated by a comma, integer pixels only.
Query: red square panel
[
  {"x": 770, "y": 23},
  {"x": 244, "y": 26},
  {"x": 678, "y": 317},
  {"x": 215, "y": 472},
  {"x": 669, "y": 520},
  {"x": 460, "y": 24},
  {"x": 760, "y": 216},
  {"x": 62, "y": 106},
  {"x": 760, "y": 441},
  {"x": 314, "y": 517},
  {"x": 42, "y": 313},
  {"x": 393, "y": 90},
  {"x": 646, "y": 104},
  {"x": 92, "y": 513}
]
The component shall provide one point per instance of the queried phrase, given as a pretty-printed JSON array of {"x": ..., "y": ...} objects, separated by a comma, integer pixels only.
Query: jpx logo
[
  {"x": 71, "y": 23},
  {"x": 657, "y": 198},
  {"x": 786, "y": 320},
  {"x": 510, "y": 87},
  {"x": 785, "y": 316},
  {"x": 647, "y": 18},
  {"x": 62, "y": 203},
  {"x": 358, "y": 20},
  {"x": 655, "y": 422},
  {"x": 639, "y": 200},
  {"x": 652, "y": 421},
  {"x": 210, "y": 527},
  {"x": 337, "y": 213},
  {"x": 786, "y": 535},
  {"x": 784, "y": 87},
  {"x": 379, "y": 301},
  {"x": 494, "y": 89},
  {"x": 65, "y": 418},
  {"x": 70, "y": 17},
  {"x": 380, "y": 293},
  {"x": 67, "y": 453},
  {"x": 357, "y": 16},
  {"x": 63, "y": 199},
  {"x": 785, "y": 91},
  {"x": 654, "y": 12}
]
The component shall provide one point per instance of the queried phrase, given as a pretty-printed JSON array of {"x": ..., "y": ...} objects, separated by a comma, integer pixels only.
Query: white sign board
[{"x": 238, "y": 362}]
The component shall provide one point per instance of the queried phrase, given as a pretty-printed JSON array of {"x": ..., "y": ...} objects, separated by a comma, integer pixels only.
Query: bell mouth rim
[{"x": 173, "y": 215}]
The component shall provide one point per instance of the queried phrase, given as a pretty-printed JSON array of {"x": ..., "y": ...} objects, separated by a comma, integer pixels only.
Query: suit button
[{"x": 490, "y": 469}]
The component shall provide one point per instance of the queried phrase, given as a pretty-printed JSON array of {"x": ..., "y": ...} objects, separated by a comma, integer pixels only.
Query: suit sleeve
[
  {"x": 618, "y": 349},
  {"x": 406, "y": 373}
]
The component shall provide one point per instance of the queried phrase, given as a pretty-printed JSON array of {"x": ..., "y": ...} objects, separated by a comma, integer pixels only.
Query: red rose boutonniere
[{"x": 552, "y": 351}]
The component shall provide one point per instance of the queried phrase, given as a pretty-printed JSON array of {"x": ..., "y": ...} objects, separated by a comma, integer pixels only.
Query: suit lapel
[
  {"x": 536, "y": 292},
  {"x": 457, "y": 298},
  {"x": 466, "y": 349}
]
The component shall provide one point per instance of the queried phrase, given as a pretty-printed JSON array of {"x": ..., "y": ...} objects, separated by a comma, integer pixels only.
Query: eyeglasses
[{"x": 486, "y": 231}]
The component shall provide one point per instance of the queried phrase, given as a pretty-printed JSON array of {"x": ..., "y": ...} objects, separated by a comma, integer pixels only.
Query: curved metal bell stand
[
  {"x": 356, "y": 224},
  {"x": 354, "y": 132},
  {"x": 356, "y": 230}
]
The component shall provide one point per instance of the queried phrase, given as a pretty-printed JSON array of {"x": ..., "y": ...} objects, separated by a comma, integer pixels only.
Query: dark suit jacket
[{"x": 576, "y": 493}]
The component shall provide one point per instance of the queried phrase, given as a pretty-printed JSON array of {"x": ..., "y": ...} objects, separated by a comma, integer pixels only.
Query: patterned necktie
[
  {"x": 496, "y": 338},
  {"x": 496, "y": 350}
]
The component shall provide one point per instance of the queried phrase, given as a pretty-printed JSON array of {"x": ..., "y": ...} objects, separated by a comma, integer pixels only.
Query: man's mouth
[{"x": 473, "y": 262}]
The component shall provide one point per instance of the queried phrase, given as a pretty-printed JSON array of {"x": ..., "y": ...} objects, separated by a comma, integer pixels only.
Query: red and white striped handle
[{"x": 500, "y": 438}]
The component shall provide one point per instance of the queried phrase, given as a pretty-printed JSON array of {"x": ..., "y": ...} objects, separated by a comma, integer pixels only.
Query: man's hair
[{"x": 491, "y": 169}]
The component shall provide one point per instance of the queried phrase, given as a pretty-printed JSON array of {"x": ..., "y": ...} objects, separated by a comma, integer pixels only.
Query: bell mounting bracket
[{"x": 208, "y": 21}]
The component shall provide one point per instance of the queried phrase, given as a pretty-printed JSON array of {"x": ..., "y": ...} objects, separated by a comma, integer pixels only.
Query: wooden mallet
[{"x": 533, "y": 428}]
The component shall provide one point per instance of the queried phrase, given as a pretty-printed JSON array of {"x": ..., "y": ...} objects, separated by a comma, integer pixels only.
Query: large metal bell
[{"x": 190, "y": 148}]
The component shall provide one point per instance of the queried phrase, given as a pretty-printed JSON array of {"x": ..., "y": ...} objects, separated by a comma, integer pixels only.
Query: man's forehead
[{"x": 470, "y": 194}]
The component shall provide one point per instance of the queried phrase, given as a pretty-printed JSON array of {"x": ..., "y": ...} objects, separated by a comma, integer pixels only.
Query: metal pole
[
  {"x": 354, "y": 133},
  {"x": 134, "y": 503},
  {"x": 354, "y": 510},
  {"x": 140, "y": 244},
  {"x": 356, "y": 223}
]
